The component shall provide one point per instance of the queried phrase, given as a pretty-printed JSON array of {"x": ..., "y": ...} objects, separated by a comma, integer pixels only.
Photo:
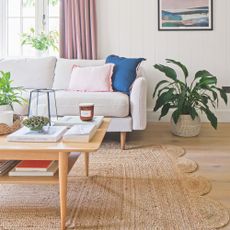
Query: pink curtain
[{"x": 78, "y": 29}]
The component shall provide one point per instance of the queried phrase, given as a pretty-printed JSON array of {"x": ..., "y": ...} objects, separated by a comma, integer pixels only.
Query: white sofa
[{"x": 127, "y": 112}]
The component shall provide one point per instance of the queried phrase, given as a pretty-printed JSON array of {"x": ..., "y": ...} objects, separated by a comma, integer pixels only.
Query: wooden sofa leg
[{"x": 123, "y": 139}]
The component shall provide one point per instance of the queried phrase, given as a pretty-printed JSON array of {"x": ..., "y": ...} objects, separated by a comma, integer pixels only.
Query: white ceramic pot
[
  {"x": 6, "y": 115},
  {"x": 186, "y": 126},
  {"x": 5, "y": 108},
  {"x": 41, "y": 53}
]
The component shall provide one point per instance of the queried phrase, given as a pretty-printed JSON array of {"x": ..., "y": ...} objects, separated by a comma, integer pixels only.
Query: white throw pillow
[
  {"x": 64, "y": 68},
  {"x": 92, "y": 78}
]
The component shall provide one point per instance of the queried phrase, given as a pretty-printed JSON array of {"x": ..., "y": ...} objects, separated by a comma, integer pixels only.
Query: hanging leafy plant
[
  {"x": 40, "y": 41},
  {"x": 187, "y": 98}
]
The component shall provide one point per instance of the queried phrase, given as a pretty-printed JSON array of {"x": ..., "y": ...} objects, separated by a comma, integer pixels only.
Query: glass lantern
[{"x": 42, "y": 102}]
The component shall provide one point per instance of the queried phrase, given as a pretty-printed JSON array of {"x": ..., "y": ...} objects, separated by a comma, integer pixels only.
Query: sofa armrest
[{"x": 138, "y": 101}]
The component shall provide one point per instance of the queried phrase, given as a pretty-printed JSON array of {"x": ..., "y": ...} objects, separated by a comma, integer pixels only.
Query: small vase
[
  {"x": 41, "y": 53},
  {"x": 186, "y": 126}
]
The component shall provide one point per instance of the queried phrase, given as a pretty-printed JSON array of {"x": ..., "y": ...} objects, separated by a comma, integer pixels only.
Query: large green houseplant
[
  {"x": 8, "y": 93},
  {"x": 187, "y": 98}
]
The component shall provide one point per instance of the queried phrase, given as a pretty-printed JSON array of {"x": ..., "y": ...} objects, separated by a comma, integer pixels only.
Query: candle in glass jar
[{"x": 86, "y": 111}]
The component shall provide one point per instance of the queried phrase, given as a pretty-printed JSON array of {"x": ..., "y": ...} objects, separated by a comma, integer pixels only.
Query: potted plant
[
  {"x": 41, "y": 42},
  {"x": 8, "y": 93},
  {"x": 36, "y": 123},
  {"x": 187, "y": 99}
]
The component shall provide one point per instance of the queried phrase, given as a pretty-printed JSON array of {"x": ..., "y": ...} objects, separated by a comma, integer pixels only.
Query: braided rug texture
[{"x": 140, "y": 188}]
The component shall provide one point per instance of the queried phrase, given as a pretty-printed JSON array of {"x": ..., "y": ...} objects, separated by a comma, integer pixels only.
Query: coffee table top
[{"x": 93, "y": 145}]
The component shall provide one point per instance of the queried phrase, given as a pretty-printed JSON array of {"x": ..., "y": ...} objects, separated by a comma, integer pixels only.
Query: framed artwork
[{"x": 185, "y": 14}]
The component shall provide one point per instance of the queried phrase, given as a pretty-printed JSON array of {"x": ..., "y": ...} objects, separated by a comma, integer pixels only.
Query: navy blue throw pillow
[{"x": 124, "y": 72}]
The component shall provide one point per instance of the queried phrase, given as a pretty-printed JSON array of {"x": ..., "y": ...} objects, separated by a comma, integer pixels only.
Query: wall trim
[{"x": 222, "y": 115}]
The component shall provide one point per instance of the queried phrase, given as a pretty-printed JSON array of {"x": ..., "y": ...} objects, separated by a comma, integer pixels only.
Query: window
[
  {"x": 53, "y": 18},
  {"x": 19, "y": 16}
]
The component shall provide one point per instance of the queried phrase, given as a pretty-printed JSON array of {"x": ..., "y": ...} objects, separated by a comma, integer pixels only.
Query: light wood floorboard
[{"x": 211, "y": 150}]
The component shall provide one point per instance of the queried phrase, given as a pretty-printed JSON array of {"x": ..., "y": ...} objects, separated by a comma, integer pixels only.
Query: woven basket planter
[
  {"x": 186, "y": 126},
  {"x": 5, "y": 129}
]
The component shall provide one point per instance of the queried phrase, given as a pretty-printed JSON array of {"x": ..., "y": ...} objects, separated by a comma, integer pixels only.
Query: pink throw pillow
[{"x": 92, "y": 78}]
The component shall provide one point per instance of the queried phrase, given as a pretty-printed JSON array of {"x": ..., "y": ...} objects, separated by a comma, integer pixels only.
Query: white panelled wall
[{"x": 130, "y": 28}]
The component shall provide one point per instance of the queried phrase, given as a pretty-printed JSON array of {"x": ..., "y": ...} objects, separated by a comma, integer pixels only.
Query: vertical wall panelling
[
  {"x": 227, "y": 27},
  {"x": 130, "y": 28}
]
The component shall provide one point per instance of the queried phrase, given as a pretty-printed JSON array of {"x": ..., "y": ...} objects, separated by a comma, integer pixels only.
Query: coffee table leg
[
  {"x": 86, "y": 163},
  {"x": 63, "y": 170}
]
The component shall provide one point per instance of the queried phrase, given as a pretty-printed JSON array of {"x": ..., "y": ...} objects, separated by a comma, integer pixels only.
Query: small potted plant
[
  {"x": 187, "y": 99},
  {"x": 8, "y": 93},
  {"x": 41, "y": 42},
  {"x": 36, "y": 123}
]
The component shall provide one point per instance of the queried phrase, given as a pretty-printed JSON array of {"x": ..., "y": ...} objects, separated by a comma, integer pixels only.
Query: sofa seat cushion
[
  {"x": 111, "y": 104},
  {"x": 30, "y": 72}
]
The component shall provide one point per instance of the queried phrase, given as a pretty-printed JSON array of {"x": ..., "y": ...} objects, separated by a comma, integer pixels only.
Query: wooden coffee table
[{"x": 63, "y": 152}]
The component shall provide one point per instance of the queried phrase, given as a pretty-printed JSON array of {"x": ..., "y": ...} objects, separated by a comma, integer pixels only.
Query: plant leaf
[
  {"x": 193, "y": 113},
  {"x": 160, "y": 91},
  {"x": 158, "y": 85},
  {"x": 165, "y": 110},
  {"x": 183, "y": 67},
  {"x": 175, "y": 116},
  {"x": 163, "y": 99},
  {"x": 223, "y": 95},
  {"x": 181, "y": 99},
  {"x": 205, "y": 81},
  {"x": 202, "y": 73},
  {"x": 169, "y": 72},
  {"x": 211, "y": 117}
]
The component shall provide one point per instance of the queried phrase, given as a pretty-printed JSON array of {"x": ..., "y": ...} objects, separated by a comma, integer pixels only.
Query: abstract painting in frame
[{"x": 185, "y": 14}]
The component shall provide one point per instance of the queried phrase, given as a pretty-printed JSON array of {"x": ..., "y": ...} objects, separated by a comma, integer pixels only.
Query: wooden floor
[{"x": 211, "y": 150}]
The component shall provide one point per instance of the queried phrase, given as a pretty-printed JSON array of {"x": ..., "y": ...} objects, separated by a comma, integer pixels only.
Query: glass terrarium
[{"x": 42, "y": 102}]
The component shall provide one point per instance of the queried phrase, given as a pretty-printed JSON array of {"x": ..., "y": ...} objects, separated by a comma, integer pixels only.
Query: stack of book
[
  {"x": 80, "y": 133},
  {"x": 75, "y": 120},
  {"x": 49, "y": 134},
  {"x": 35, "y": 168},
  {"x": 6, "y": 166}
]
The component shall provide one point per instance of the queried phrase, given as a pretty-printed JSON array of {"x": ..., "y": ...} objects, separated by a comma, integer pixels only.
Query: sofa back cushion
[
  {"x": 64, "y": 68},
  {"x": 92, "y": 78},
  {"x": 30, "y": 72}
]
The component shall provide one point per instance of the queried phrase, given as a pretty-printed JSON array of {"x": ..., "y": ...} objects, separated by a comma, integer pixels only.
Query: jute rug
[{"x": 140, "y": 188}]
